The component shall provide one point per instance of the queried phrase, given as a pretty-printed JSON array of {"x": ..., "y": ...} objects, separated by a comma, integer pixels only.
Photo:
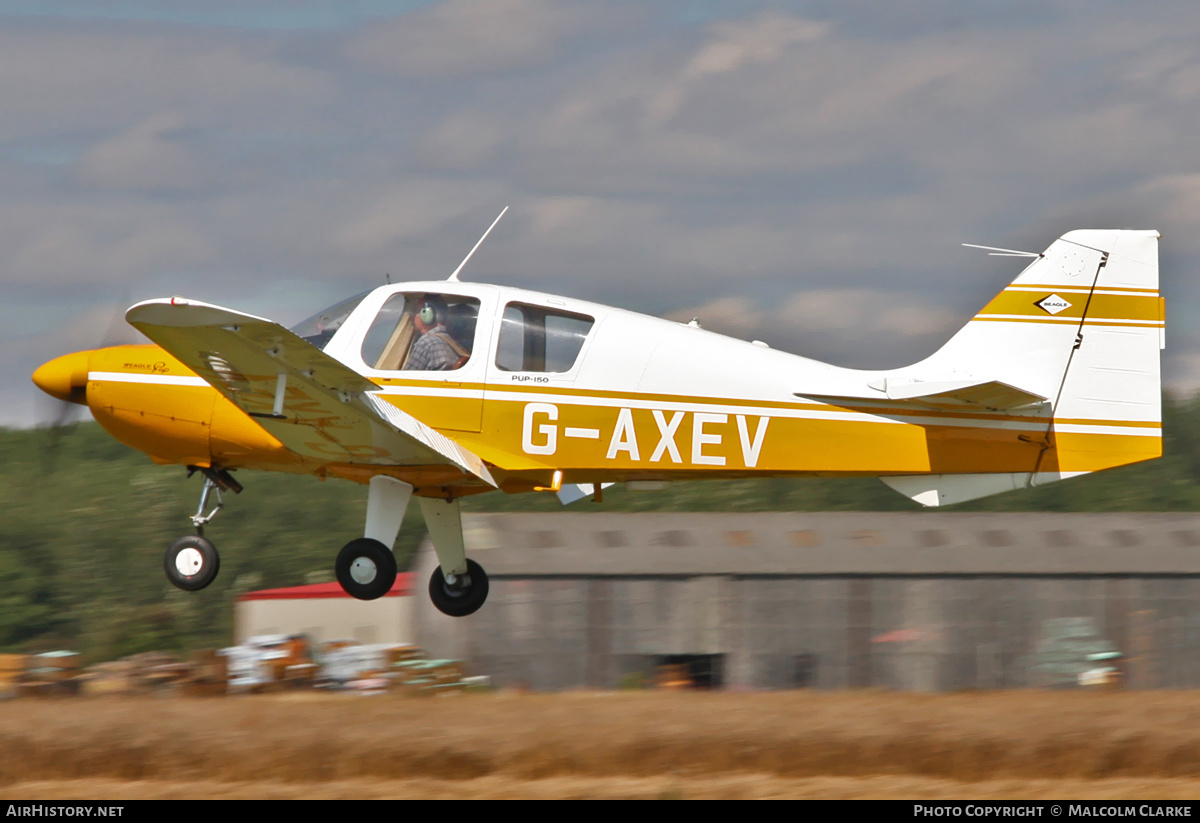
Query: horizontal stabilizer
[
  {"x": 577, "y": 491},
  {"x": 985, "y": 394},
  {"x": 990, "y": 394},
  {"x": 947, "y": 489}
]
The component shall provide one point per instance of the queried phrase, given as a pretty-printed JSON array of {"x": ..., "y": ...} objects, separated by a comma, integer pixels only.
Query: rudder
[{"x": 1109, "y": 409}]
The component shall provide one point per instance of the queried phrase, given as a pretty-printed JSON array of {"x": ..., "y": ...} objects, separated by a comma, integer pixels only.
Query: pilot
[{"x": 434, "y": 350}]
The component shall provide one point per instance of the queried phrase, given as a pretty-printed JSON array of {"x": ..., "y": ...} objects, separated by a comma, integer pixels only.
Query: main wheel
[
  {"x": 467, "y": 594},
  {"x": 366, "y": 569},
  {"x": 191, "y": 563}
]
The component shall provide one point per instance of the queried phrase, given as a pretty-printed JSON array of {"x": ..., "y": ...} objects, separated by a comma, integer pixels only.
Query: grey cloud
[
  {"x": 760, "y": 156},
  {"x": 771, "y": 93},
  {"x": 864, "y": 328},
  {"x": 464, "y": 140},
  {"x": 732, "y": 45},
  {"x": 468, "y": 36},
  {"x": 58, "y": 243},
  {"x": 106, "y": 79},
  {"x": 984, "y": 119},
  {"x": 143, "y": 157},
  {"x": 412, "y": 209}
]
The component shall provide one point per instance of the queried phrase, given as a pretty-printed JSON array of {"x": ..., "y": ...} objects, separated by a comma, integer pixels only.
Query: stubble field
[{"x": 1027, "y": 744}]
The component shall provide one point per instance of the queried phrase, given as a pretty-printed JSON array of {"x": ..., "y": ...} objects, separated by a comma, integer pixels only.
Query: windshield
[{"x": 320, "y": 328}]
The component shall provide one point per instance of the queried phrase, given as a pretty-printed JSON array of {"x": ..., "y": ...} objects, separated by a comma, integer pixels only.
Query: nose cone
[{"x": 65, "y": 377}]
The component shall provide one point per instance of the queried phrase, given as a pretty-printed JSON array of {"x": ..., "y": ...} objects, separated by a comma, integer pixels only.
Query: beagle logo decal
[{"x": 1052, "y": 304}]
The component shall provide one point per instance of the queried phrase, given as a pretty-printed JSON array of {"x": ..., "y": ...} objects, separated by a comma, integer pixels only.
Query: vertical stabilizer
[{"x": 1082, "y": 326}]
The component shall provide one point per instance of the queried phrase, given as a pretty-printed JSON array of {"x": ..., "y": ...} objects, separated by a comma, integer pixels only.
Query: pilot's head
[{"x": 431, "y": 311}]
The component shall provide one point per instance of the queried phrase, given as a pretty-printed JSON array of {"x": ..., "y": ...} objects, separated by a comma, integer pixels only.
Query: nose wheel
[
  {"x": 462, "y": 594},
  {"x": 366, "y": 569},
  {"x": 191, "y": 563}
]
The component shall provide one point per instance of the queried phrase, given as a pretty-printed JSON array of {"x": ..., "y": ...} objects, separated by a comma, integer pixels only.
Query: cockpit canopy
[{"x": 437, "y": 331}]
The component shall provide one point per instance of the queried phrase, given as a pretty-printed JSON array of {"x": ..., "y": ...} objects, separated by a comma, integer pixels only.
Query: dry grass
[
  {"x": 623, "y": 744},
  {"x": 497, "y": 787}
]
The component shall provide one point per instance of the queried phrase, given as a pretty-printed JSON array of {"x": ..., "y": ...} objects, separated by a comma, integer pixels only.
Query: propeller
[
  {"x": 58, "y": 419},
  {"x": 63, "y": 384}
]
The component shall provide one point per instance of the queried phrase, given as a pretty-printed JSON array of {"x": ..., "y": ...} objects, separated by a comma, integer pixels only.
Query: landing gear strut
[{"x": 192, "y": 562}]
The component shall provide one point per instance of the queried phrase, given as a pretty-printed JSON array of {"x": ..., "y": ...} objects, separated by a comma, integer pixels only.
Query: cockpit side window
[
  {"x": 537, "y": 339},
  {"x": 320, "y": 328},
  {"x": 416, "y": 331}
]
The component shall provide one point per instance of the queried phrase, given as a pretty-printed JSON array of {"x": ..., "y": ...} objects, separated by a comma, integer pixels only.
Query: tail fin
[{"x": 1082, "y": 326}]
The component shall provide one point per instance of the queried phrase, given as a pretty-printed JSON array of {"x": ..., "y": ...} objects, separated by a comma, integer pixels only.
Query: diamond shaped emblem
[{"x": 1052, "y": 304}]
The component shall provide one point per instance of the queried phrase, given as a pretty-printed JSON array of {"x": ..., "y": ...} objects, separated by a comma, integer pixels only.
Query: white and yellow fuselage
[{"x": 1077, "y": 334}]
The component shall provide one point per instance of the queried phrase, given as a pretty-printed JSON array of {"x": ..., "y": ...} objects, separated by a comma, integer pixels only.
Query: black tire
[
  {"x": 366, "y": 569},
  {"x": 462, "y": 600},
  {"x": 191, "y": 563}
]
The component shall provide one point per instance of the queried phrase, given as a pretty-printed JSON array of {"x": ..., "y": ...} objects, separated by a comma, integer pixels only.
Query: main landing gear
[
  {"x": 366, "y": 567},
  {"x": 192, "y": 562},
  {"x": 459, "y": 594}
]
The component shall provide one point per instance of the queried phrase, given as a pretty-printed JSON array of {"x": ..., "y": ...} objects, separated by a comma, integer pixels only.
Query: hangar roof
[{"x": 834, "y": 543}]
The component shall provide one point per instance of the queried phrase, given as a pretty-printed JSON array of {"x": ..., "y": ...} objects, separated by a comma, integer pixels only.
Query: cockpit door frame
[{"x": 448, "y": 400}]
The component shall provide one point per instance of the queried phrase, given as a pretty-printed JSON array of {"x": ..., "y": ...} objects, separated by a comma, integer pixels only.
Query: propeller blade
[{"x": 59, "y": 419}]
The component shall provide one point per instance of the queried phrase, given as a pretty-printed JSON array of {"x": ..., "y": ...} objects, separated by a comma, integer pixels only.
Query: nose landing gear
[{"x": 192, "y": 562}]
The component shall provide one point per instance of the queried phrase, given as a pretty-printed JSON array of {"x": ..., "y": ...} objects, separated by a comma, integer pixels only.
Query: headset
[{"x": 432, "y": 309}]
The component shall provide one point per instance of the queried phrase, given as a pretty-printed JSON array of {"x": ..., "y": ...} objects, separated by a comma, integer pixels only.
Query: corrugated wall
[{"x": 559, "y": 624}]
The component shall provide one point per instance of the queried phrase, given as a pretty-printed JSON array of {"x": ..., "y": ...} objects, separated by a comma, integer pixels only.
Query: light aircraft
[{"x": 442, "y": 389}]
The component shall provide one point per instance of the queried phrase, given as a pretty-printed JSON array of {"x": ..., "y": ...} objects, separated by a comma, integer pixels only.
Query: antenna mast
[
  {"x": 453, "y": 278},
  {"x": 995, "y": 252}
]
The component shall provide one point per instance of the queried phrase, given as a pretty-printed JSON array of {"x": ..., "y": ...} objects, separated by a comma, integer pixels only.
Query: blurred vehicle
[{"x": 1072, "y": 652}]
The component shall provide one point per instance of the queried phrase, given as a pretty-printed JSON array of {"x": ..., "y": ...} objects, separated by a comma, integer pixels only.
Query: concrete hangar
[{"x": 925, "y": 601}]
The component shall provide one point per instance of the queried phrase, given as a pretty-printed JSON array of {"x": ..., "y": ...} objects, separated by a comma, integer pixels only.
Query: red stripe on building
[{"x": 402, "y": 586}]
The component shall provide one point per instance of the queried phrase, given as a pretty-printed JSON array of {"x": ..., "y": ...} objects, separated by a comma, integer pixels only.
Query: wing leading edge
[{"x": 316, "y": 406}]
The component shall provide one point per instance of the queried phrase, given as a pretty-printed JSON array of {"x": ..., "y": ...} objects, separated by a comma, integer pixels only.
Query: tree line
[{"x": 87, "y": 520}]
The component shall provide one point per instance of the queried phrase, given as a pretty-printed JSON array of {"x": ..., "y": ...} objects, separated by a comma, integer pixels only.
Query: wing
[{"x": 316, "y": 406}]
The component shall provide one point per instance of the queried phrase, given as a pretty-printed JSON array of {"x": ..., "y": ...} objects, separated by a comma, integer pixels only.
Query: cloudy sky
[{"x": 803, "y": 173}]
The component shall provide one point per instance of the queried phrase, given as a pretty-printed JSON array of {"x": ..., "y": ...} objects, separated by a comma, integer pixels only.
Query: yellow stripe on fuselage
[
  {"x": 1103, "y": 306},
  {"x": 881, "y": 407},
  {"x": 598, "y": 435}
]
